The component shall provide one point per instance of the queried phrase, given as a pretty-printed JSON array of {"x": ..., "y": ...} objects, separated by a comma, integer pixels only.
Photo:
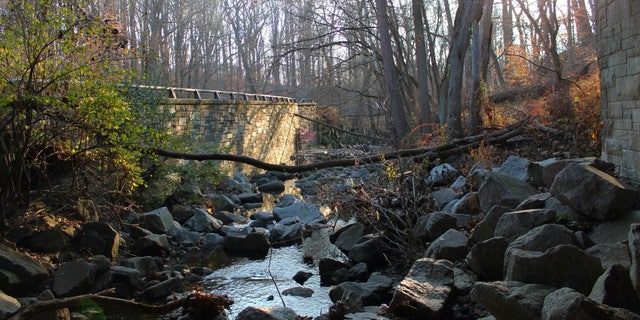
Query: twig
[{"x": 274, "y": 279}]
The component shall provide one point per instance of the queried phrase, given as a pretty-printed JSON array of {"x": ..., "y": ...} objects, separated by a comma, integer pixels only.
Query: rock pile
[{"x": 556, "y": 239}]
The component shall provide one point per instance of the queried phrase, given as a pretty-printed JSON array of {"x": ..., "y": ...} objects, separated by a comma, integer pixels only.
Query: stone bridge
[
  {"x": 264, "y": 127},
  {"x": 618, "y": 33}
]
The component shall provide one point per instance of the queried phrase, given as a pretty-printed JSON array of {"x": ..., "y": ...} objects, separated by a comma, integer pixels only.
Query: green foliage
[{"x": 63, "y": 109}]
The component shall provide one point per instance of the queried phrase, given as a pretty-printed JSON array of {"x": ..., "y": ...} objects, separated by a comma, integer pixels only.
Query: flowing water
[{"x": 251, "y": 282}]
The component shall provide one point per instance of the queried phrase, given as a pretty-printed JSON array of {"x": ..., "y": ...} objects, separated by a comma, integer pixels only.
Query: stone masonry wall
[
  {"x": 618, "y": 33},
  {"x": 265, "y": 130}
]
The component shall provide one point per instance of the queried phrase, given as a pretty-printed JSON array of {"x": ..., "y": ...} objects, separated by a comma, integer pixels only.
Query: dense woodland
[{"x": 406, "y": 68}]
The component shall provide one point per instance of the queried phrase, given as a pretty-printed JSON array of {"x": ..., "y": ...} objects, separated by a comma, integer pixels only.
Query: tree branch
[{"x": 419, "y": 154}]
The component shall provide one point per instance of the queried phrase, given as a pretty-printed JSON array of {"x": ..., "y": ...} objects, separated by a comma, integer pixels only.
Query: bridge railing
[{"x": 206, "y": 94}]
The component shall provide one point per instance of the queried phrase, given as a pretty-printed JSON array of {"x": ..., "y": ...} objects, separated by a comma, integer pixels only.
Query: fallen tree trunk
[
  {"x": 109, "y": 305},
  {"x": 454, "y": 147}
]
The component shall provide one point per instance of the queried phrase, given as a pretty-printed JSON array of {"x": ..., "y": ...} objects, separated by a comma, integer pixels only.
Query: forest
[{"x": 70, "y": 123}]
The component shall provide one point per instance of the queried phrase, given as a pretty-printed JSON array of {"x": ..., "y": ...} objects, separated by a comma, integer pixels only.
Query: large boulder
[
  {"x": 560, "y": 266},
  {"x": 254, "y": 243},
  {"x": 267, "y": 313},
  {"x": 514, "y": 224},
  {"x": 542, "y": 238},
  {"x": 203, "y": 221},
  {"x": 8, "y": 305},
  {"x": 423, "y": 293},
  {"x": 611, "y": 253},
  {"x": 151, "y": 245},
  {"x": 522, "y": 169},
  {"x": 502, "y": 189},
  {"x": 569, "y": 304},
  {"x": 453, "y": 245},
  {"x": 614, "y": 288},
  {"x": 592, "y": 192},
  {"x": 442, "y": 174},
  {"x": 485, "y": 229},
  {"x": 433, "y": 225},
  {"x": 348, "y": 236},
  {"x": 100, "y": 238},
  {"x": 19, "y": 274},
  {"x": 368, "y": 250},
  {"x": 332, "y": 271},
  {"x": 286, "y": 232},
  {"x": 73, "y": 278},
  {"x": 507, "y": 300},
  {"x": 486, "y": 258},
  {"x": 307, "y": 213},
  {"x": 376, "y": 291},
  {"x": 444, "y": 196},
  {"x": 158, "y": 221}
]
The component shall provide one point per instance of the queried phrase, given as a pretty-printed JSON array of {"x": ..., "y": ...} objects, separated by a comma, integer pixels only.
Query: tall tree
[
  {"x": 424, "y": 100},
  {"x": 481, "y": 49},
  {"x": 469, "y": 11},
  {"x": 390, "y": 72}
]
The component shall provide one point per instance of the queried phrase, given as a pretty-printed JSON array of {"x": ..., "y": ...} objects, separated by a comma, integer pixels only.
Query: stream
[{"x": 249, "y": 283}]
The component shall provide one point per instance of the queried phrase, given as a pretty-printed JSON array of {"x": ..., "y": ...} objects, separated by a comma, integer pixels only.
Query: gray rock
[
  {"x": 468, "y": 204},
  {"x": 463, "y": 280},
  {"x": 611, "y": 253},
  {"x": 267, "y": 313},
  {"x": 211, "y": 241},
  {"x": 262, "y": 219},
  {"x": 441, "y": 175},
  {"x": 514, "y": 224},
  {"x": 301, "y": 277},
  {"x": 460, "y": 185},
  {"x": 367, "y": 250},
  {"x": 432, "y": 225},
  {"x": 593, "y": 192},
  {"x": 100, "y": 238},
  {"x": 151, "y": 245},
  {"x": 443, "y": 196},
  {"x": 359, "y": 272},
  {"x": 507, "y": 300},
  {"x": 254, "y": 243},
  {"x": 161, "y": 290},
  {"x": 348, "y": 236},
  {"x": 453, "y": 245},
  {"x": 158, "y": 221},
  {"x": 307, "y": 213},
  {"x": 327, "y": 267},
  {"x": 542, "y": 238},
  {"x": 486, "y": 258},
  {"x": 522, "y": 169},
  {"x": 634, "y": 249},
  {"x": 19, "y": 274},
  {"x": 287, "y": 200},
  {"x": 560, "y": 266},
  {"x": 422, "y": 294},
  {"x": 202, "y": 221},
  {"x": 185, "y": 237},
  {"x": 298, "y": 292},
  {"x": 8, "y": 305},
  {"x": 145, "y": 265},
  {"x": 222, "y": 202},
  {"x": 181, "y": 213},
  {"x": 272, "y": 187},
  {"x": 536, "y": 201},
  {"x": 130, "y": 277},
  {"x": 229, "y": 218},
  {"x": 502, "y": 189},
  {"x": 614, "y": 231},
  {"x": 250, "y": 197},
  {"x": 566, "y": 303},
  {"x": 614, "y": 288},
  {"x": 375, "y": 291},
  {"x": 286, "y": 232},
  {"x": 551, "y": 168},
  {"x": 485, "y": 229},
  {"x": 47, "y": 241},
  {"x": 73, "y": 278}
]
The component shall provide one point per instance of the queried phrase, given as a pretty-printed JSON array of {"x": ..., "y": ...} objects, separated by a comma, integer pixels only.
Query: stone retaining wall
[
  {"x": 618, "y": 32},
  {"x": 265, "y": 130}
]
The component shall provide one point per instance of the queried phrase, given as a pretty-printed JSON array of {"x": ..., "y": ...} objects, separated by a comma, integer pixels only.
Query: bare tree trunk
[
  {"x": 422, "y": 73},
  {"x": 583, "y": 24},
  {"x": 390, "y": 71},
  {"x": 469, "y": 11},
  {"x": 481, "y": 48}
]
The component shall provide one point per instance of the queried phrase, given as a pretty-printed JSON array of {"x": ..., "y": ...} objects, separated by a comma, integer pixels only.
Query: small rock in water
[{"x": 301, "y": 277}]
